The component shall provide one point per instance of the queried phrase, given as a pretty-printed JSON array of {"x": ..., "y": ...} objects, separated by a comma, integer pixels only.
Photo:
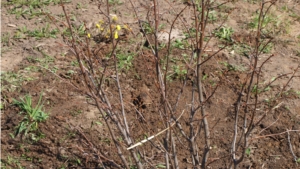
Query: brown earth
[{"x": 75, "y": 134}]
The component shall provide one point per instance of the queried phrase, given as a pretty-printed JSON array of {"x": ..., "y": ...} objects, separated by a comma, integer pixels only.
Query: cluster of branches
[{"x": 116, "y": 118}]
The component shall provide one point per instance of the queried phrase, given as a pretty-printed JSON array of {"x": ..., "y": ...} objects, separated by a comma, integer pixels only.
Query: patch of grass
[
  {"x": 74, "y": 63},
  {"x": 80, "y": 31},
  {"x": 242, "y": 49},
  {"x": 295, "y": 16},
  {"x": 76, "y": 112},
  {"x": 245, "y": 50},
  {"x": 19, "y": 12},
  {"x": 11, "y": 162},
  {"x": 115, "y": 2},
  {"x": 255, "y": 89},
  {"x": 212, "y": 16},
  {"x": 81, "y": 6},
  {"x": 248, "y": 151},
  {"x": 21, "y": 33},
  {"x": 274, "y": 24},
  {"x": 12, "y": 80},
  {"x": 191, "y": 33},
  {"x": 44, "y": 32},
  {"x": 68, "y": 136},
  {"x": 33, "y": 116},
  {"x": 267, "y": 49},
  {"x": 180, "y": 44},
  {"x": 267, "y": 20},
  {"x": 224, "y": 33},
  {"x": 5, "y": 39},
  {"x": 70, "y": 73},
  {"x": 231, "y": 67},
  {"x": 30, "y": 8},
  {"x": 40, "y": 63},
  {"x": 125, "y": 60},
  {"x": 147, "y": 28},
  {"x": 178, "y": 72},
  {"x": 45, "y": 60}
]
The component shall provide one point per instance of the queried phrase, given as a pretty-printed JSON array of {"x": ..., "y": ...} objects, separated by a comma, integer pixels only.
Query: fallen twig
[{"x": 151, "y": 137}]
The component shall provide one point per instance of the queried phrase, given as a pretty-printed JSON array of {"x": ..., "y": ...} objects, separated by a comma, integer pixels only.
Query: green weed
[
  {"x": 178, "y": 72},
  {"x": 68, "y": 136},
  {"x": 147, "y": 28},
  {"x": 21, "y": 33},
  {"x": 80, "y": 31},
  {"x": 267, "y": 20},
  {"x": 271, "y": 24},
  {"x": 30, "y": 8},
  {"x": 248, "y": 151},
  {"x": 19, "y": 12},
  {"x": 125, "y": 60},
  {"x": 43, "y": 63},
  {"x": 114, "y": 2},
  {"x": 212, "y": 16},
  {"x": 70, "y": 73},
  {"x": 229, "y": 66},
  {"x": 255, "y": 89},
  {"x": 33, "y": 115},
  {"x": 190, "y": 33},
  {"x": 242, "y": 49},
  {"x": 43, "y": 32},
  {"x": 160, "y": 166},
  {"x": 5, "y": 42},
  {"x": 5, "y": 39},
  {"x": 81, "y": 6},
  {"x": 224, "y": 33},
  {"x": 267, "y": 49},
  {"x": 180, "y": 44},
  {"x": 76, "y": 112},
  {"x": 11, "y": 80},
  {"x": 11, "y": 162},
  {"x": 295, "y": 16}
]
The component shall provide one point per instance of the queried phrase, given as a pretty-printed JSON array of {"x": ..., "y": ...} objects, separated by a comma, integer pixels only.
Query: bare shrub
[{"x": 182, "y": 124}]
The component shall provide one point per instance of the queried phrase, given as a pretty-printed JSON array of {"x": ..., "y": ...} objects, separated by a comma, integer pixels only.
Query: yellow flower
[
  {"x": 116, "y": 35},
  {"x": 118, "y": 27},
  {"x": 89, "y": 35},
  {"x": 97, "y": 25},
  {"x": 114, "y": 18}
]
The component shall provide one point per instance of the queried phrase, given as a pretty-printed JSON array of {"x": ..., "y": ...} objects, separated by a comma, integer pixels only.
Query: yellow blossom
[
  {"x": 89, "y": 35},
  {"x": 114, "y": 18},
  {"x": 118, "y": 27},
  {"x": 97, "y": 25},
  {"x": 116, "y": 35}
]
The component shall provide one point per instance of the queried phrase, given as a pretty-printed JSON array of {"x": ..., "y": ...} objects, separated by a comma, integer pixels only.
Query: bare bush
[{"x": 194, "y": 115}]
